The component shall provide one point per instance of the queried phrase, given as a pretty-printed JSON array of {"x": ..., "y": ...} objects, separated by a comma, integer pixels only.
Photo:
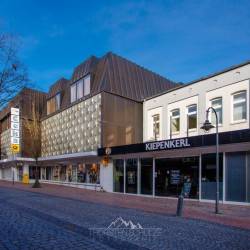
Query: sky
[{"x": 180, "y": 40}]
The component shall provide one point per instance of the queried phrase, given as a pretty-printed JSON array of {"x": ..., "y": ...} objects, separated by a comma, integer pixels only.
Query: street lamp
[{"x": 207, "y": 125}]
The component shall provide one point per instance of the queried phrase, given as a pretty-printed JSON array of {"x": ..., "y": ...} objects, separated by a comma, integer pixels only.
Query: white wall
[
  {"x": 106, "y": 177},
  {"x": 182, "y": 105},
  {"x": 224, "y": 83},
  {"x": 227, "y": 113}
]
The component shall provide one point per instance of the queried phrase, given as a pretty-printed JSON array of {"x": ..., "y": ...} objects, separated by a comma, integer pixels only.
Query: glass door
[
  {"x": 131, "y": 176},
  {"x": 147, "y": 176}
]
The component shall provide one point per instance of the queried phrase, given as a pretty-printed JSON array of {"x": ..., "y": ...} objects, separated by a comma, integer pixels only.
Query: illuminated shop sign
[
  {"x": 14, "y": 131},
  {"x": 236, "y": 136},
  {"x": 169, "y": 144}
]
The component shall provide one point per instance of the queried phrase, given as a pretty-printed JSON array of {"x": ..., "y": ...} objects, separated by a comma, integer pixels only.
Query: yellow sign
[
  {"x": 105, "y": 161},
  {"x": 15, "y": 148},
  {"x": 25, "y": 179}
]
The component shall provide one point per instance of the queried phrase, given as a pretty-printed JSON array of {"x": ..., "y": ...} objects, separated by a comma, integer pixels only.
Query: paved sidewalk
[{"x": 232, "y": 215}]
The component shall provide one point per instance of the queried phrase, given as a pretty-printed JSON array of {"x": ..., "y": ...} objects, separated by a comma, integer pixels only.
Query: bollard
[{"x": 180, "y": 205}]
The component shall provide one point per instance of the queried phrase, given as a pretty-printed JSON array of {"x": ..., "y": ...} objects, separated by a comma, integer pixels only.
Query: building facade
[
  {"x": 99, "y": 106},
  {"x": 177, "y": 155}
]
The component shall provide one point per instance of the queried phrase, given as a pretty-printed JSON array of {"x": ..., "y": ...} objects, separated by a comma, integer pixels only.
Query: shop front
[
  {"x": 78, "y": 170},
  {"x": 184, "y": 166}
]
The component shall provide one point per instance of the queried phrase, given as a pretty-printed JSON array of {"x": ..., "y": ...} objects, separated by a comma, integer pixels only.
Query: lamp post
[{"x": 207, "y": 125}]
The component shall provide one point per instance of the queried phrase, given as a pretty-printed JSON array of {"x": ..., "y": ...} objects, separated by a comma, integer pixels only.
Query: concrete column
[
  {"x": 26, "y": 168},
  {"x": 1, "y": 174},
  {"x": 153, "y": 177},
  {"x": 106, "y": 177}
]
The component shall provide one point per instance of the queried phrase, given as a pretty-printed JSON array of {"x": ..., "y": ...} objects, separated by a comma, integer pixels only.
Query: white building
[{"x": 165, "y": 165}]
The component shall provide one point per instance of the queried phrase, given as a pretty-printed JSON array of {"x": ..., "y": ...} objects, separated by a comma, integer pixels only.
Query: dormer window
[
  {"x": 80, "y": 88},
  {"x": 54, "y": 104},
  {"x": 87, "y": 85}
]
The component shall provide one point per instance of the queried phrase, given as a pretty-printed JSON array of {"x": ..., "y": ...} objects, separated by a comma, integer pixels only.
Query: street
[{"x": 38, "y": 221}]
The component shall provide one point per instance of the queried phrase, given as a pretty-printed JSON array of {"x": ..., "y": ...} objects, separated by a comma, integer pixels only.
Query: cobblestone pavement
[
  {"x": 230, "y": 215},
  {"x": 31, "y": 220}
]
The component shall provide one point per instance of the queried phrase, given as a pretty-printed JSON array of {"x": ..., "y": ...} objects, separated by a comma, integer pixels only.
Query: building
[
  {"x": 176, "y": 155},
  {"x": 11, "y": 165},
  {"x": 100, "y": 106}
]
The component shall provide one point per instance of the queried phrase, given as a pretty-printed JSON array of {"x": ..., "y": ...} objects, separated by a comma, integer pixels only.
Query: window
[
  {"x": 73, "y": 93},
  {"x": 87, "y": 85},
  {"x": 58, "y": 101},
  {"x": 175, "y": 121},
  {"x": 156, "y": 126},
  {"x": 192, "y": 116},
  {"x": 217, "y": 105},
  {"x": 80, "y": 88},
  {"x": 239, "y": 106},
  {"x": 53, "y": 104}
]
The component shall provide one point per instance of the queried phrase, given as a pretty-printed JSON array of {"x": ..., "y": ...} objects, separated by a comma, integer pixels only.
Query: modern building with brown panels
[
  {"x": 99, "y": 106},
  {"x": 24, "y": 101}
]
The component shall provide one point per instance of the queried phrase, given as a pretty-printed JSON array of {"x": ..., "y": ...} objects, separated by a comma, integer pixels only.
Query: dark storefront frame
[{"x": 230, "y": 142}]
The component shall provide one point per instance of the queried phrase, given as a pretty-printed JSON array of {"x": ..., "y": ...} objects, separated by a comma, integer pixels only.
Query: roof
[
  {"x": 116, "y": 75},
  {"x": 182, "y": 85}
]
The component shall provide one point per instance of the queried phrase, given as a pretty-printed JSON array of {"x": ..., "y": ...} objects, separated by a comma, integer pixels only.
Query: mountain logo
[{"x": 120, "y": 223}]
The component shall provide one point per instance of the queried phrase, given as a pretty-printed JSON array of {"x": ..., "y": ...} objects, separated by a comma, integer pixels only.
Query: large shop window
[
  {"x": 237, "y": 177},
  {"x": 156, "y": 126},
  {"x": 88, "y": 173},
  {"x": 177, "y": 175},
  {"x": 192, "y": 117},
  {"x": 131, "y": 175},
  {"x": 175, "y": 121},
  {"x": 32, "y": 172},
  {"x": 217, "y": 105},
  {"x": 147, "y": 176},
  {"x": 208, "y": 176},
  {"x": 239, "y": 106},
  {"x": 118, "y": 176}
]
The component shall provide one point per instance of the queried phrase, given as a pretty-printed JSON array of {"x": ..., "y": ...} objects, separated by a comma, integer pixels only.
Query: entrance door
[
  {"x": 177, "y": 175},
  {"x": 131, "y": 176},
  {"x": 147, "y": 176}
]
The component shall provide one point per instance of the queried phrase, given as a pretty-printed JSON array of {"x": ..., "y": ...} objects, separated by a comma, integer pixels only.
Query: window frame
[
  {"x": 53, "y": 100},
  {"x": 76, "y": 84},
  {"x": 175, "y": 117},
  {"x": 192, "y": 113},
  {"x": 159, "y": 122},
  {"x": 237, "y": 102},
  {"x": 210, "y": 114}
]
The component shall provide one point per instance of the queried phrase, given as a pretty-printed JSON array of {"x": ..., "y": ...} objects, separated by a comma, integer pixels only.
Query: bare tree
[
  {"x": 13, "y": 75},
  {"x": 34, "y": 133}
]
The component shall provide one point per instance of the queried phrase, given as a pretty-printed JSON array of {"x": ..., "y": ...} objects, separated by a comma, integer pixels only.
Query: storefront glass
[
  {"x": 88, "y": 173},
  {"x": 32, "y": 172},
  {"x": 177, "y": 175},
  {"x": 147, "y": 176},
  {"x": 62, "y": 173},
  {"x": 48, "y": 175},
  {"x": 208, "y": 176},
  {"x": 236, "y": 181},
  {"x": 56, "y": 173},
  {"x": 20, "y": 173},
  {"x": 131, "y": 175},
  {"x": 118, "y": 175}
]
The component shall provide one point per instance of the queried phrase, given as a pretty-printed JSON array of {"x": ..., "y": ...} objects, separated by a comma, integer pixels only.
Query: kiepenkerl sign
[
  {"x": 15, "y": 130},
  {"x": 169, "y": 144}
]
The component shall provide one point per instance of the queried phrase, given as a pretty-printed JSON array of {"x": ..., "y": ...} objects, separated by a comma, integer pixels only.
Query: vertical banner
[{"x": 15, "y": 130}]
